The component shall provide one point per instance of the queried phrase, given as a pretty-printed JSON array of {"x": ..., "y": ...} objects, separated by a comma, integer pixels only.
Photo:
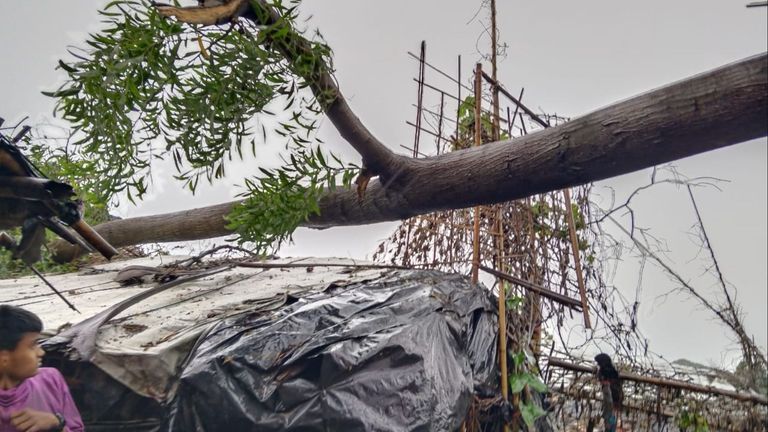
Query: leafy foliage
[
  {"x": 514, "y": 302},
  {"x": 286, "y": 197},
  {"x": 13, "y": 268},
  {"x": 523, "y": 379},
  {"x": 148, "y": 88},
  {"x": 466, "y": 117},
  {"x": 692, "y": 421},
  {"x": 531, "y": 413}
]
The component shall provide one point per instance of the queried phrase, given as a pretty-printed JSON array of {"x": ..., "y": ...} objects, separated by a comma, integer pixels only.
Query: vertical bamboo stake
[
  {"x": 433, "y": 216},
  {"x": 458, "y": 107},
  {"x": 494, "y": 49},
  {"x": 502, "y": 312},
  {"x": 576, "y": 256},
  {"x": 478, "y": 141},
  {"x": 417, "y": 135},
  {"x": 499, "y": 218},
  {"x": 419, "y": 98},
  {"x": 536, "y": 299},
  {"x": 452, "y": 213},
  {"x": 440, "y": 123}
]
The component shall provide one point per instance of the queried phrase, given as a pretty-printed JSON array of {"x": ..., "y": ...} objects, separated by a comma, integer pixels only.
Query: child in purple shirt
[{"x": 32, "y": 399}]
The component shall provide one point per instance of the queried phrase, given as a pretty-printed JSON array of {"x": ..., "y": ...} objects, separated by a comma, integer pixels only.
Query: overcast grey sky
[{"x": 571, "y": 57}]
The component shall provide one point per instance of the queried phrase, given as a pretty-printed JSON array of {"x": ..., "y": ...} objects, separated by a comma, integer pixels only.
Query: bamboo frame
[{"x": 665, "y": 382}]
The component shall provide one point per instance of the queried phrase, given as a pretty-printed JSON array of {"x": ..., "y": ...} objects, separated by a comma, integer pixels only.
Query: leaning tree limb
[
  {"x": 719, "y": 108},
  {"x": 378, "y": 159},
  {"x": 723, "y": 107}
]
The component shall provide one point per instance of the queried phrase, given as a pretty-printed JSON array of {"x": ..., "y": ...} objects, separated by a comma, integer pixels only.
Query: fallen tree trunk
[{"x": 723, "y": 107}]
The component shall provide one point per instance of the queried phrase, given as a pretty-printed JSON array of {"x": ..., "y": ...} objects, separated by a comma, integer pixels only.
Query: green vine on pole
[{"x": 522, "y": 380}]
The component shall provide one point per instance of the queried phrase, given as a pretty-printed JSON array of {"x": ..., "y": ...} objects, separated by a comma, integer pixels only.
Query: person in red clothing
[{"x": 32, "y": 398}]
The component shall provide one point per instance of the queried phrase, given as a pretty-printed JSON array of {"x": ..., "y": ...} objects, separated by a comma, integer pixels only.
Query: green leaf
[
  {"x": 66, "y": 67},
  {"x": 530, "y": 413},
  {"x": 535, "y": 383},
  {"x": 517, "y": 383},
  {"x": 72, "y": 91},
  {"x": 514, "y": 302},
  {"x": 519, "y": 359}
]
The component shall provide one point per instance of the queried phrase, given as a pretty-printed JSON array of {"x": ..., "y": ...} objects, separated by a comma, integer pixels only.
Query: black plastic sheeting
[
  {"x": 406, "y": 352},
  {"x": 105, "y": 404}
]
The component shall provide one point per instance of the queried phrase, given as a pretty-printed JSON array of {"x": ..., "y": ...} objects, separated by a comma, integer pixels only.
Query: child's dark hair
[
  {"x": 605, "y": 367},
  {"x": 14, "y": 323},
  {"x": 606, "y": 371}
]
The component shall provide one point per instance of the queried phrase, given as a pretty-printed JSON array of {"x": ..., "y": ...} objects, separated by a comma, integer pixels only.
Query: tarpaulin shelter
[{"x": 296, "y": 344}]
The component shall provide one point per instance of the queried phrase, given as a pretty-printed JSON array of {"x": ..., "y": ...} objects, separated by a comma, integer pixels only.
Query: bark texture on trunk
[
  {"x": 712, "y": 110},
  {"x": 185, "y": 225},
  {"x": 719, "y": 108}
]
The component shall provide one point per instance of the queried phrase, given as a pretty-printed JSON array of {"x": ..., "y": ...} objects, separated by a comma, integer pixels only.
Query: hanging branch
[
  {"x": 753, "y": 356},
  {"x": 727, "y": 313}
]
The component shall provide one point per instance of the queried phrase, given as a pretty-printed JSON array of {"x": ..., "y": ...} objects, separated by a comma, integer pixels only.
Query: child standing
[
  {"x": 32, "y": 398},
  {"x": 613, "y": 395}
]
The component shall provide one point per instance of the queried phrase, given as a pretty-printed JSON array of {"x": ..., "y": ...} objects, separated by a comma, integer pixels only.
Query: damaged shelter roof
[
  {"x": 289, "y": 344},
  {"x": 142, "y": 346}
]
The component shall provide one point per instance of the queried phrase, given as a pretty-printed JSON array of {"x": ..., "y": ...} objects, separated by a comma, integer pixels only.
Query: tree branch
[
  {"x": 720, "y": 108},
  {"x": 716, "y": 109},
  {"x": 752, "y": 353},
  {"x": 278, "y": 34},
  {"x": 205, "y": 15}
]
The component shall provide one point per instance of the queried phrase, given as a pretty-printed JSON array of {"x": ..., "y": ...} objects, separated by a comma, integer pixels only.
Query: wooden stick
[
  {"x": 94, "y": 239},
  {"x": 665, "y": 382},
  {"x": 419, "y": 99},
  {"x": 576, "y": 256},
  {"x": 478, "y": 141},
  {"x": 556, "y": 297},
  {"x": 517, "y": 102},
  {"x": 502, "y": 314},
  {"x": 584, "y": 394}
]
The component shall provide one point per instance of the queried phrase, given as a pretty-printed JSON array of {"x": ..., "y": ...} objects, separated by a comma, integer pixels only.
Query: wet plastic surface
[{"x": 405, "y": 352}]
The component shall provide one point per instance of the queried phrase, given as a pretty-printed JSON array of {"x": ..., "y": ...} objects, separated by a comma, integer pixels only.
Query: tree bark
[
  {"x": 205, "y": 15},
  {"x": 186, "y": 225},
  {"x": 719, "y": 108}
]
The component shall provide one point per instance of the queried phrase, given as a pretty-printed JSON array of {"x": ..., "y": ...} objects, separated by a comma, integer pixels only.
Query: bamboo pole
[
  {"x": 556, "y": 297},
  {"x": 494, "y": 49},
  {"x": 568, "y": 206},
  {"x": 419, "y": 98},
  {"x": 416, "y": 137},
  {"x": 500, "y": 225},
  {"x": 478, "y": 141},
  {"x": 665, "y": 382},
  {"x": 576, "y": 256},
  {"x": 585, "y": 394},
  {"x": 502, "y": 312}
]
